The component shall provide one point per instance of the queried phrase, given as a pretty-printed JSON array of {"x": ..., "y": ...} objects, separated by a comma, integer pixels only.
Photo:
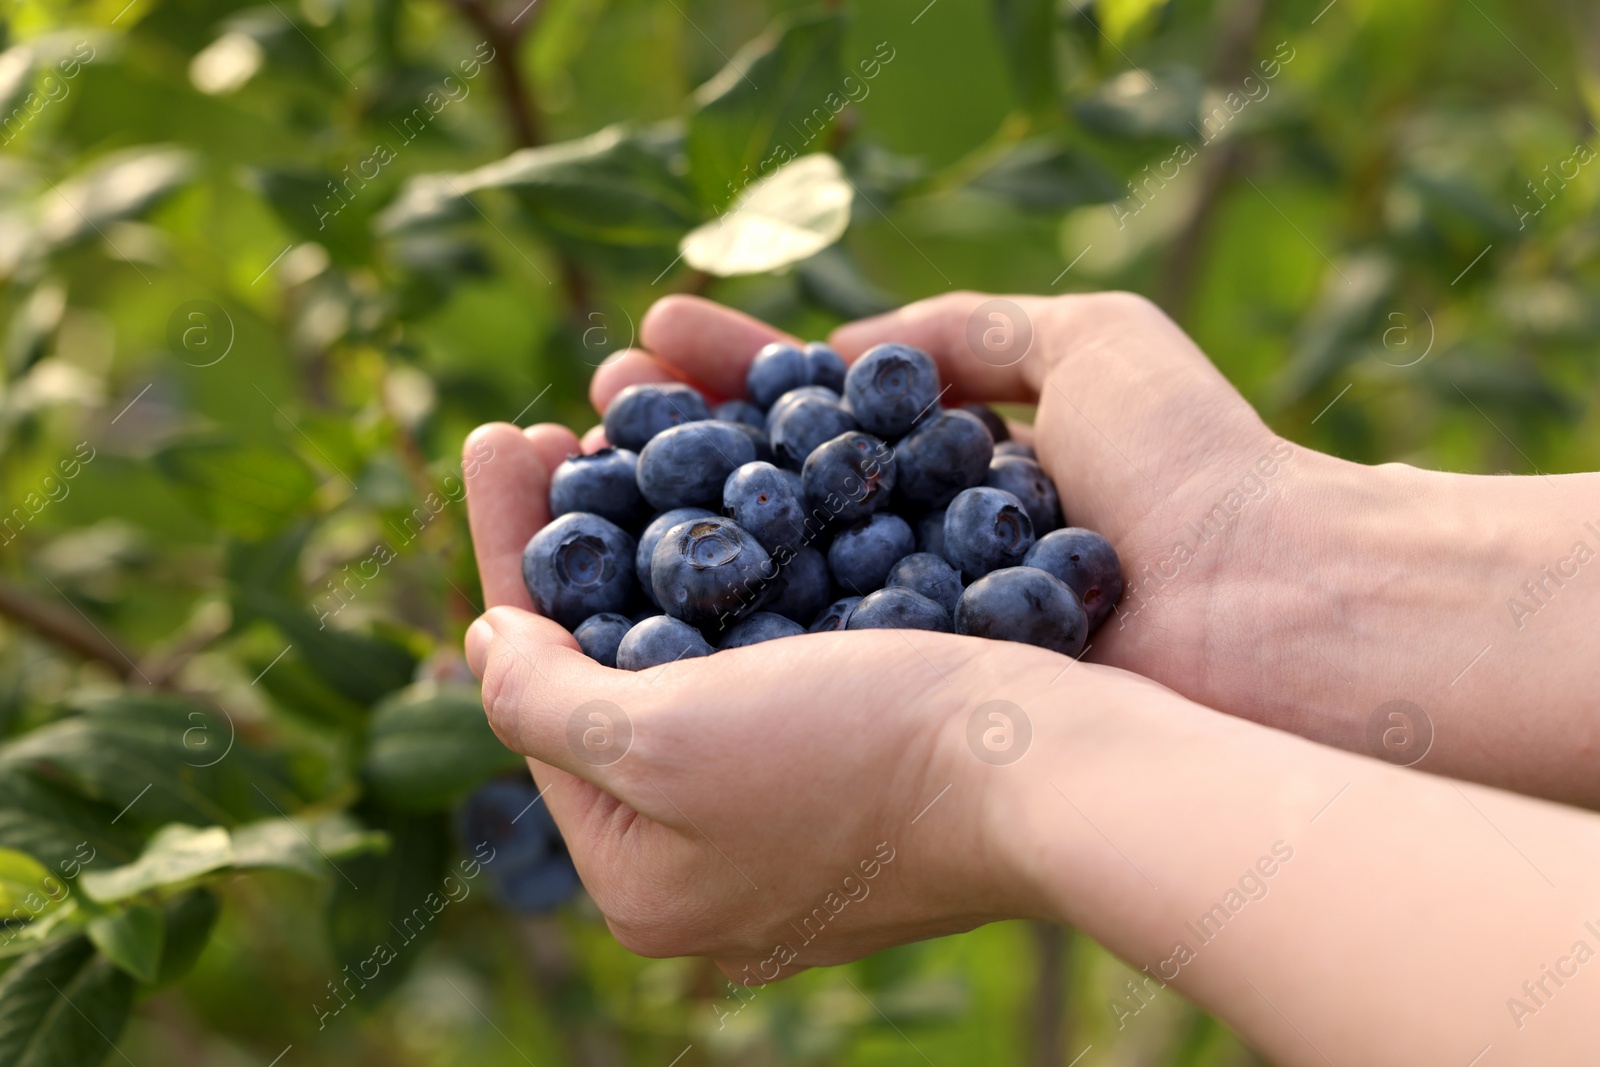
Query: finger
[
  {"x": 1021, "y": 432},
  {"x": 938, "y": 326},
  {"x": 536, "y": 680},
  {"x": 594, "y": 440},
  {"x": 554, "y": 443},
  {"x": 706, "y": 342},
  {"x": 630, "y": 367},
  {"x": 508, "y": 484}
]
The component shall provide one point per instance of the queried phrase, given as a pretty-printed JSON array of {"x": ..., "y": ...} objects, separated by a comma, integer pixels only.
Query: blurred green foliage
[{"x": 265, "y": 265}]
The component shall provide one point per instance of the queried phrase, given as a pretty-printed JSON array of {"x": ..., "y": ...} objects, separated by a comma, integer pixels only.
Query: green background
[{"x": 1386, "y": 241}]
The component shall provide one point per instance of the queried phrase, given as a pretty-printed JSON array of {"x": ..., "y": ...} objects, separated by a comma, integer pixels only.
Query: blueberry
[
  {"x": 708, "y": 571},
  {"x": 686, "y": 465},
  {"x": 849, "y": 477},
  {"x": 824, "y": 366},
  {"x": 1016, "y": 448},
  {"x": 741, "y": 411},
  {"x": 992, "y": 422},
  {"x": 777, "y": 368},
  {"x": 930, "y": 533},
  {"x": 768, "y": 502},
  {"x": 757, "y": 438},
  {"x": 836, "y": 615},
  {"x": 819, "y": 392},
  {"x": 986, "y": 529},
  {"x": 605, "y": 484},
  {"x": 891, "y": 387},
  {"x": 945, "y": 454},
  {"x": 928, "y": 574},
  {"x": 652, "y": 536},
  {"x": 861, "y": 555},
  {"x": 599, "y": 636},
  {"x": 1024, "y": 479},
  {"x": 660, "y": 639},
  {"x": 1087, "y": 563},
  {"x": 537, "y": 889},
  {"x": 640, "y": 412},
  {"x": 759, "y": 627},
  {"x": 803, "y": 424},
  {"x": 579, "y": 565},
  {"x": 898, "y": 609},
  {"x": 806, "y": 586},
  {"x": 1024, "y": 604},
  {"x": 497, "y": 814}
]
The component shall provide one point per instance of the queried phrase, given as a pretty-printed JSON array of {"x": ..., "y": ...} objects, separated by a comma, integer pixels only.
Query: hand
[
  {"x": 756, "y": 788},
  {"x": 1264, "y": 579}
]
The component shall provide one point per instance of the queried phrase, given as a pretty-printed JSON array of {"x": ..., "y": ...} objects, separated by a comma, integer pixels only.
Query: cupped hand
[{"x": 800, "y": 802}]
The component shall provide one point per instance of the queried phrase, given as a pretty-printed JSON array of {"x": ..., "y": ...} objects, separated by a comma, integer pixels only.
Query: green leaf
[
  {"x": 775, "y": 100},
  {"x": 1121, "y": 18},
  {"x": 430, "y": 746},
  {"x": 119, "y": 186},
  {"x": 56, "y": 826},
  {"x": 388, "y": 905},
  {"x": 159, "y": 760},
  {"x": 305, "y": 845},
  {"x": 62, "y": 1006},
  {"x": 21, "y": 877},
  {"x": 1027, "y": 33},
  {"x": 176, "y": 854},
  {"x": 360, "y": 668},
  {"x": 248, "y": 489},
  {"x": 1045, "y": 175},
  {"x": 833, "y": 280},
  {"x": 1158, "y": 103},
  {"x": 132, "y": 939},
  {"x": 1346, "y": 312},
  {"x": 188, "y": 920},
  {"x": 613, "y": 196},
  {"x": 790, "y": 215}
]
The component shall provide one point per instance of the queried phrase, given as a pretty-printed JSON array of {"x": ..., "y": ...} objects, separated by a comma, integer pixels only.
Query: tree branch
[{"x": 67, "y": 628}]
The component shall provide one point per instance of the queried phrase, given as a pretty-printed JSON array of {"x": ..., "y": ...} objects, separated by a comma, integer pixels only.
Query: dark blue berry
[
  {"x": 998, "y": 430},
  {"x": 928, "y": 574},
  {"x": 930, "y": 533},
  {"x": 768, "y": 502},
  {"x": 986, "y": 529},
  {"x": 1087, "y": 563},
  {"x": 835, "y": 616},
  {"x": 861, "y": 555},
  {"x": 898, "y": 609},
  {"x": 709, "y": 571},
  {"x": 1024, "y": 604},
  {"x": 579, "y": 565},
  {"x": 762, "y": 626},
  {"x": 815, "y": 392},
  {"x": 1016, "y": 448},
  {"x": 497, "y": 814},
  {"x": 944, "y": 454},
  {"x": 657, "y": 640},
  {"x": 1026, "y": 480},
  {"x": 805, "y": 585},
  {"x": 652, "y": 536},
  {"x": 640, "y": 412},
  {"x": 599, "y": 636},
  {"x": 538, "y": 889},
  {"x": 802, "y": 425},
  {"x": 777, "y": 368},
  {"x": 849, "y": 477},
  {"x": 826, "y": 366},
  {"x": 741, "y": 411},
  {"x": 891, "y": 387},
  {"x": 604, "y": 483},
  {"x": 686, "y": 465}
]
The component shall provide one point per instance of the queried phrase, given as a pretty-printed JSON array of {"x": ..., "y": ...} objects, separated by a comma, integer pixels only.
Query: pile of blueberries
[{"x": 830, "y": 500}]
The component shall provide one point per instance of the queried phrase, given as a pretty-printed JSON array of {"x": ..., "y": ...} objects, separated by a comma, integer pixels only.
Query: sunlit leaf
[
  {"x": 176, "y": 854},
  {"x": 122, "y": 185},
  {"x": 795, "y": 213}
]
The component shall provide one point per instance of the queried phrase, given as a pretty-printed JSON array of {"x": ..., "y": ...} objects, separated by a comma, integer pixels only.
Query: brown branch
[
  {"x": 65, "y": 627},
  {"x": 1050, "y": 1021},
  {"x": 1180, "y": 271}
]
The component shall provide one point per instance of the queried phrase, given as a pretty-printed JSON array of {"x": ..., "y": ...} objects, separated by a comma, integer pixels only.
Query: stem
[
  {"x": 1050, "y": 1016},
  {"x": 68, "y": 629}
]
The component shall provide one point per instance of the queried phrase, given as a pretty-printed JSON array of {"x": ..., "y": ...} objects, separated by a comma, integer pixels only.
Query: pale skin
[{"x": 1369, "y": 913}]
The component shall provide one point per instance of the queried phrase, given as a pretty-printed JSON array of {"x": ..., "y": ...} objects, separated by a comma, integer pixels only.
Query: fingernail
[{"x": 480, "y": 635}]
